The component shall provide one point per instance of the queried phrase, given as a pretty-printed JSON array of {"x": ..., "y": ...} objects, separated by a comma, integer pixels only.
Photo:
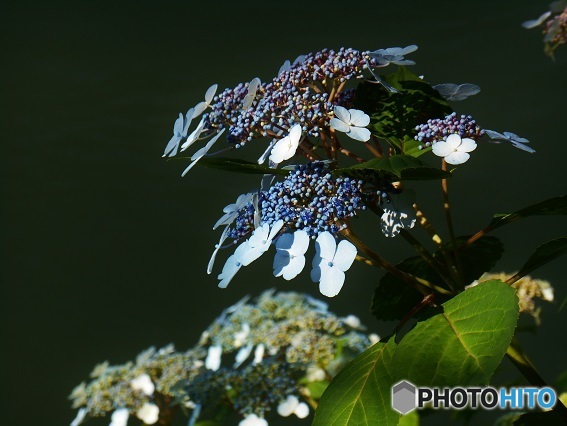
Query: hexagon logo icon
[{"x": 404, "y": 397}]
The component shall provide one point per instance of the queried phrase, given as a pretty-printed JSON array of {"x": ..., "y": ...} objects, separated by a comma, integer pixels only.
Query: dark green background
[{"x": 105, "y": 246}]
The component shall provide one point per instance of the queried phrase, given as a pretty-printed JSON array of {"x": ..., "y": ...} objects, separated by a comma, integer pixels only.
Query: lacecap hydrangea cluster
[{"x": 276, "y": 353}]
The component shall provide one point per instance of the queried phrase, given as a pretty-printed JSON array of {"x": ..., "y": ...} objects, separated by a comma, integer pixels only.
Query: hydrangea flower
[
  {"x": 209, "y": 96},
  {"x": 232, "y": 265},
  {"x": 148, "y": 413},
  {"x": 331, "y": 262},
  {"x": 180, "y": 129},
  {"x": 454, "y": 149},
  {"x": 393, "y": 55},
  {"x": 119, "y": 417},
  {"x": 292, "y": 406},
  {"x": 253, "y": 420},
  {"x": 456, "y": 92},
  {"x": 290, "y": 260},
  {"x": 213, "y": 360},
  {"x": 353, "y": 122},
  {"x": 202, "y": 152},
  {"x": 144, "y": 384},
  {"x": 195, "y": 134},
  {"x": 514, "y": 139},
  {"x": 285, "y": 148},
  {"x": 260, "y": 241}
]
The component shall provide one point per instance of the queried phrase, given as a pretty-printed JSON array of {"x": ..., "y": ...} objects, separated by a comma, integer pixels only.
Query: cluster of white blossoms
[{"x": 274, "y": 354}]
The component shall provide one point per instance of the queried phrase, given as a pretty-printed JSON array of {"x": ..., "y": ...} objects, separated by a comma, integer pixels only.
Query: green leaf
[
  {"x": 547, "y": 418},
  {"x": 553, "y": 207},
  {"x": 397, "y": 167},
  {"x": 316, "y": 389},
  {"x": 238, "y": 166},
  {"x": 464, "y": 344},
  {"x": 360, "y": 394},
  {"x": 410, "y": 419},
  {"x": 544, "y": 254},
  {"x": 479, "y": 257}
]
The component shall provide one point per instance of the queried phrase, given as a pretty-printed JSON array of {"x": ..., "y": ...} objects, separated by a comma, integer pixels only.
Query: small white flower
[
  {"x": 81, "y": 414},
  {"x": 253, "y": 420},
  {"x": 119, "y": 417},
  {"x": 148, "y": 413},
  {"x": 532, "y": 23},
  {"x": 456, "y": 92},
  {"x": 251, "y": 95},
  {"x": 454, "y": 149},
  {"x": 393, "y": 55},
  {"x": 243, "y": 355},
  {"x": 292, "y": 406},
  {"x": 260, "y": 241},
  {"x": 285, "y": 148},
  {"x": 202, "y": 152},
  {"x": 546, "y": 291},
  {"x": 331, "y": 262},
  {"x": 213, "y": 360},
  {"x": 209, "y": 96},
  {"x": 353, "y": 122},
  {"x": 374, "y": 338},
  {"x": 241, "y": 336},
  {"x": 259, "y": 354},
  {"x": 290, "y": 255},
  {"x": 232, "y": 265},
  {"x": 231, "y": 211},
  {"x": 180, "y": 129},
  {"x": 514, "y": 139},
  {"x": 144, "y": 384},
  {"x": 315, "y": 374},
  {"x": 352, "y": 321}
]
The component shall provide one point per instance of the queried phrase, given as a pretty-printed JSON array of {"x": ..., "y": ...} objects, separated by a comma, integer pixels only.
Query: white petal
[
  {"x": 359, "y": 134},
  {"x": 295, "y": 266},
  {"x": 332, "y": 280},
  {"x": 286, "y": 65},
  {"x": 194, "y": 135},
  {"x": 358, "y": 118},
  {"x": 453, "y": 140},
  {"x": 339, "y": 125},
  {"x": 532, "y": 23},
  {"x": 209, "y": 96},
  {"x": 316, "y": 273},
  {"x": 281, "y": 150},
  {"x": 276, "y": 227},
  {"x": 325, "y": 246},
  {"x": 288, "y": 406},
  {"x": 495, "y": 135},
  {"x": 522, "y": 147},
  {"x": 213, "y": 360},
  {"x": 547, "y": 293},
  {"x": 266, "y": 153},
  {"x": 199, "y": 109},
  {"x": 172, "y": 147},
  {"x": 515, "y": 137},
  {"x": 404, "y": 62},
  {"x": 243, "y": 355},
  {"x": 178, "y": 126},
  {"x": 260, "y": 234},
  {"x": 285, "y": 241},
  {"x": 300, "y": 243},
  {"x": 342, "y": 114},
  {"x": 467, "y": 145},
  {"x": 81, "y": 414},
  {"x": 295, "y": 134},
  {"x": 408, "y": 49},
  {"x": 188, "y": 119},
  {"x": 442, "y": 149},
  {"x": 352, "y": 321},
  {"x": 149, "y": 413},
  {"x": 144, "y": 384},
  {"x": 252, "y": 254},
  {"x": 216, "y": 250},
  {"x": 253, "y": 420},
  {"x": 229, "y": 270},
  {"x": 259, "y": 354},
  {"x": 119, "y": 417},
  {"x": 302, "y": 410},
  {"x": 281, "y": 260},
  {"x": 344, "y": 257},
  {"x": 457, "y": 158}
]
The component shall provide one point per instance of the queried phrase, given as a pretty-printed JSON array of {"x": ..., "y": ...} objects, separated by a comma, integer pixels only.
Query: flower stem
[{"x": 373, "y": 150}]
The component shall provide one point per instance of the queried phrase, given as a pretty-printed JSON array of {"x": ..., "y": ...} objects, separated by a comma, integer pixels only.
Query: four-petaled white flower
[
  {"x": 180, "y": 129},
  {"x": 292, "y": 406},
  {"x": 454, "y": 149},
  {"x": 456, "y": 92},
  {"x": 148, "y": 413},
  {"x": 119, "y": 417},
  {"x": 144, "y": 384},
  {"x": 331, "y": 262},
  {"x": 213, "y": 360},
  {"x": 202, "y": 152},
  {"x": 285, "y": 148},
  {"x": 209, "y": 96},
  {"x": 232, "y": 265},
  {"x": 260, "y": 241},
  {"x": 353, "y": 122},
  {"x": 514, "y": 139},
  {"x": 393, "y": 55},
  {"x": 290, "y": 255},
  {"x": 253, "y": 420},
  {"x": 81, "y": 414}
]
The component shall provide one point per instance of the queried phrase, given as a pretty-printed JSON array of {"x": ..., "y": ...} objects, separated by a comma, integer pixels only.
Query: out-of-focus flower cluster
[
  {"x": 274, "y": 354},
  {"x": 554, "y": 26},
  {"x": 528, "y": 289}
]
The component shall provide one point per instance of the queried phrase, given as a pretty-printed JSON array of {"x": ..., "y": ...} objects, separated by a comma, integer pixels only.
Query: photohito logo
[{"x": 407, "y": 397}]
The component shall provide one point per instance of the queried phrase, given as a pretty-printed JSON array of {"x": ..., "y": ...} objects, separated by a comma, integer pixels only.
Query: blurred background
[{"x": 105, "y": 246}]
